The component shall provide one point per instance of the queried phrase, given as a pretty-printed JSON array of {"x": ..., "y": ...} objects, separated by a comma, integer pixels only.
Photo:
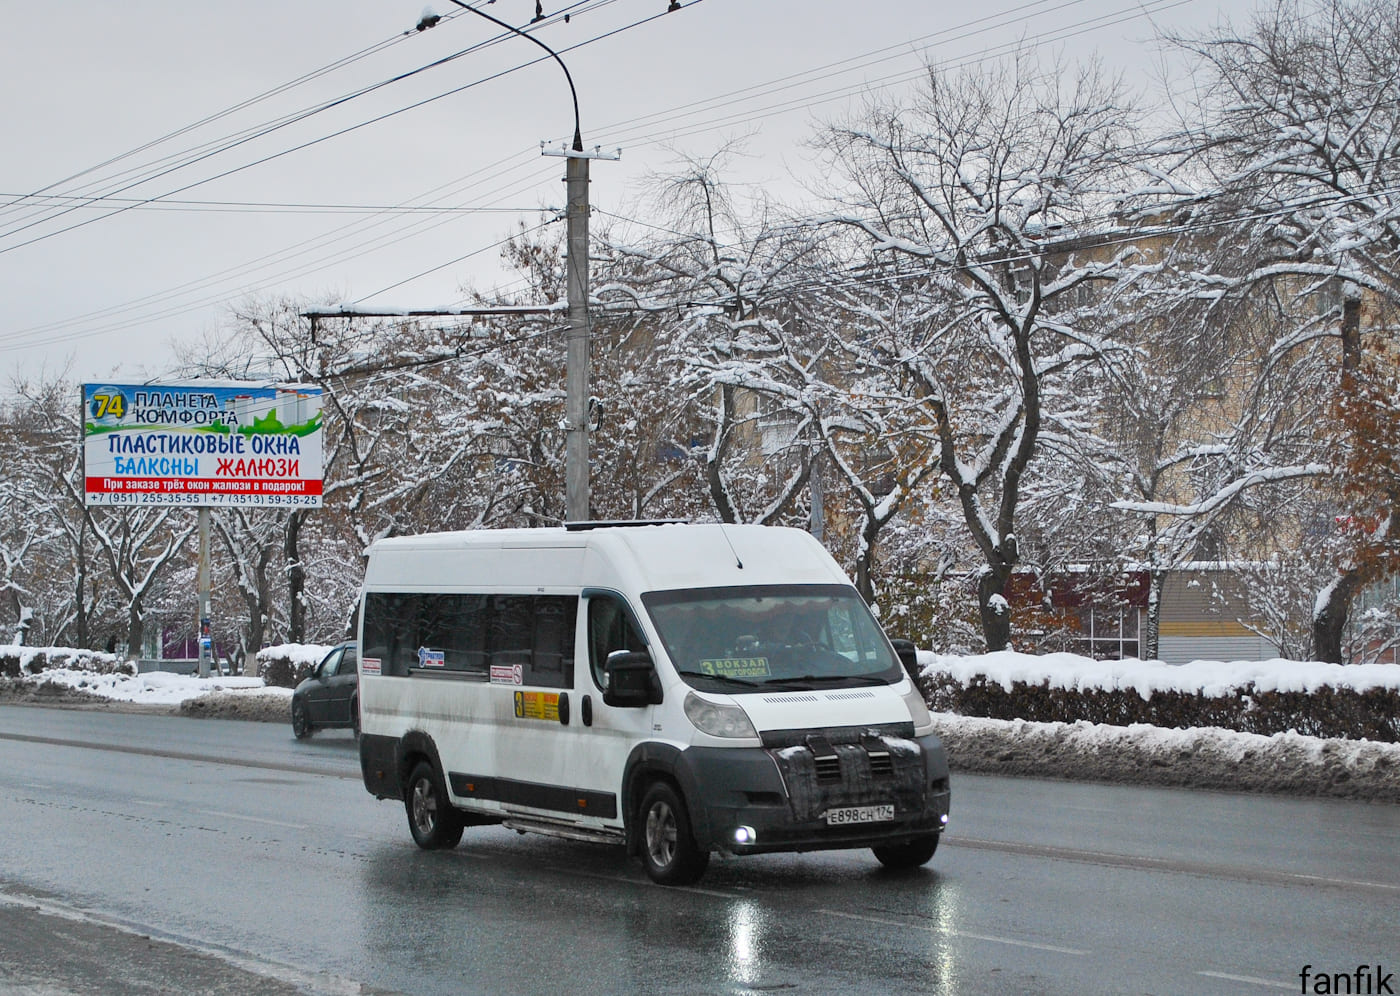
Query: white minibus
[{"x": 677, "y": 689}]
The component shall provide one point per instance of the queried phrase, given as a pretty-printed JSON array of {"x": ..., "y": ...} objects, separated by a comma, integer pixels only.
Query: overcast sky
[{"x": 377, "y": 203}]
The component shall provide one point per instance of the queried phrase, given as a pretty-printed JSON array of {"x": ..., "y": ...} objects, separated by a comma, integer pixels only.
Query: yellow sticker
[
  {"x": 737, "y": 667},
  {"x": 537, "y": 705}
]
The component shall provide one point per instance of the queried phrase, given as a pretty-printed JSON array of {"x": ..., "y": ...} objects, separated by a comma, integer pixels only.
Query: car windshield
[{"x": 772, "y": 638}]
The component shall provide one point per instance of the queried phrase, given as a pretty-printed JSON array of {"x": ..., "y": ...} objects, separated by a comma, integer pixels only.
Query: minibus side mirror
[
  {"x": 632, "y": 679},
  {"x": 908, "y": 656}
]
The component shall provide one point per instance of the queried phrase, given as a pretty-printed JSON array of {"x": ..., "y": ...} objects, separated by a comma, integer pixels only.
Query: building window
[{"x": 1108, "y": 633}]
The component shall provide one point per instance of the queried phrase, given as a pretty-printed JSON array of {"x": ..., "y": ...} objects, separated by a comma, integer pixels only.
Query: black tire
[
  {"x": 668, "y": 848},
  {"x": 435, "y": 823},
  {"x": 355, "y": 715},
  {"x": 910, "y": 854},
  {"x": 301, "y": 720}
]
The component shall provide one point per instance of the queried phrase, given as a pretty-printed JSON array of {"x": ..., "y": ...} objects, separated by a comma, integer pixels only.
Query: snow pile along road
[
  {"x": 1285, "y": 763},
  {"x": 1210, "y": 678},
  {"x": 153, "y": 691}
]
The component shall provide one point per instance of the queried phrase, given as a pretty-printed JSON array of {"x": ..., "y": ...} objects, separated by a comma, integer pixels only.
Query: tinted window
[
  {"x": 467, "y": 634},
  {"x": 609, "y": 629}
]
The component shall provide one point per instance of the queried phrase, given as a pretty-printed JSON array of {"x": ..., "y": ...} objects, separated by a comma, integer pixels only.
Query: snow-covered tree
[
  {"x": 1286, "y": 162},
  {"x": 988, "y": 196}
]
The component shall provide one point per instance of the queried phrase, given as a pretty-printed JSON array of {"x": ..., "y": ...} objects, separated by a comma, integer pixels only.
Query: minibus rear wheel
[
  {"x": 910, "y": 854},
  {"x": 669, "y": 852},
  {"x": 434, "y": 822}
]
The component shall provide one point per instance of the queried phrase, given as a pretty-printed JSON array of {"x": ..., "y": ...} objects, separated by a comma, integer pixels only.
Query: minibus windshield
[{"x": 769, "y": 638}]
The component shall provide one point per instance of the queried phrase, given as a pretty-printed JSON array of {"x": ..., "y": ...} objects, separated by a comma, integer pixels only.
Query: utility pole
[
  {"x": 576, "y": 487},
  {"x": 576, "y": 484}
]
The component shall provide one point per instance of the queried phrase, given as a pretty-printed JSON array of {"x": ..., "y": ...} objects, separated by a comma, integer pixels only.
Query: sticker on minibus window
[
  {"x": 369, "y": 665},
  {"x": 737, "y": 667},
  {"x": 431, "y": 658},
  {"x": 537, "y": 705},
  {"x": 507, "y": 674}
]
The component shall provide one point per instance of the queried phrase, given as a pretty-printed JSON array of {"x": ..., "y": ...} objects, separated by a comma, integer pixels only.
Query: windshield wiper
[
  {"x": 745, "y": 682},
  {"x": 809, "y": 679}
]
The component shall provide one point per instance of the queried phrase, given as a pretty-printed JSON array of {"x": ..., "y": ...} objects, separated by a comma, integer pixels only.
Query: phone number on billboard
[{"x": 240, "y": 501}]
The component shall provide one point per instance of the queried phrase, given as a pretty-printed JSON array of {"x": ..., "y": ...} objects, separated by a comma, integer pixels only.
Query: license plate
[{"x": 859, "y": 814}]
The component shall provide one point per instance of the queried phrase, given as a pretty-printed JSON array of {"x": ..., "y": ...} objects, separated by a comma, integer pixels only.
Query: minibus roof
[{"x": 653, "y": 557}]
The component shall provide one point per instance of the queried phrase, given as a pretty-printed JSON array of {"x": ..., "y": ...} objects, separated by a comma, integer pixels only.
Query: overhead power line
[{"x": 665, "y": 129}]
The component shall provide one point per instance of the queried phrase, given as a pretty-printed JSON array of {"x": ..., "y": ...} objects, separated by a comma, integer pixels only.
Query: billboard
[{"x": 214, "y": 443}]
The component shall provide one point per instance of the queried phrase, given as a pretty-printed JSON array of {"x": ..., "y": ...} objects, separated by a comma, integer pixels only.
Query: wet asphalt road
[{"x": 230, "y": 849}]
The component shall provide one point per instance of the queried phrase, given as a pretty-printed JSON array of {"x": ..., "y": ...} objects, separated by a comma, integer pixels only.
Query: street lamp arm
[{"x": 578, "y": 134}]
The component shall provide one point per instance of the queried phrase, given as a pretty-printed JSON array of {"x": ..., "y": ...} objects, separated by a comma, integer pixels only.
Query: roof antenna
[{"x": 737, "y": 562}]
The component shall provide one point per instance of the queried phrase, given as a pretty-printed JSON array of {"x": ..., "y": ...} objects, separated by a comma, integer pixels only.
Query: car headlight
[
  {"x": 717, "y": 719},
  {"x": 918, "y": 709}
]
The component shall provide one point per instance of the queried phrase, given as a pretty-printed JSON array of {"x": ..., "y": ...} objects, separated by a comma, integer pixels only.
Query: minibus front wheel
[
  {"x": 434, "y": 822},
  {"x": 910, "y": 854},
  {"x": 669, "y": 851}
]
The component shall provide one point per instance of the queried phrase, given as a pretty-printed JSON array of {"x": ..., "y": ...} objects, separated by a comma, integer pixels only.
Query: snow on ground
[
  {"x": 154, "y": 687},
  {"x": 300, "y": 654},
  {"x": 1285, "y": 763},
  {"x": 1210, "y": 678}
]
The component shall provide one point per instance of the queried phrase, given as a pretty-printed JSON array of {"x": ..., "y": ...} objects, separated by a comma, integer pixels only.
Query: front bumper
[{"x": 780, "y": 796}]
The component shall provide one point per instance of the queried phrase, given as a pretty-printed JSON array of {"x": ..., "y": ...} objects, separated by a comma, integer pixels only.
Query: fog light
[
  {"x": 744, "y": 835},
  {"x": 943, "y": 818}
]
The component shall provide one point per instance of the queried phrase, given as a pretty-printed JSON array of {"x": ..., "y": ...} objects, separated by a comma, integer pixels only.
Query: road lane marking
[
  {"x": 624, "y": 880},
  {"x": 955, "y": 933},
  {"x": 309, "y": 981},
  {"x": 1252, "y": 980},
  {"x": 251, "y": 819},
  {"x": 175, "y": 755},
  {"x": 1263, "y": 876}
]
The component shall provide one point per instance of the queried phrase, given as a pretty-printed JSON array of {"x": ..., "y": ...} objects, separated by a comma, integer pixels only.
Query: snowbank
[
  {"x": 1210, "y": 678},
  {"x": 152, "y": 687},
  {"x": 1285, "y": 763},
  {"x": 301, "y": 654},
  {"x": 154, "y": 691},
  {"x": 16, "y": 660}
]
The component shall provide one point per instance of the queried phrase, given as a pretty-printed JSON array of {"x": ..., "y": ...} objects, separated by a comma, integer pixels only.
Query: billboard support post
[{"x": 206, "y": 636}]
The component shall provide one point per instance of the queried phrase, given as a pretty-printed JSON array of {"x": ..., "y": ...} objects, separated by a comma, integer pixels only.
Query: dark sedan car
[{"x": 330, "y": 696}]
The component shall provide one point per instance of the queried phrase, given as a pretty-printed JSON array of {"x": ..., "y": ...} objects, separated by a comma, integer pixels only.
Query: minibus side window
[
  {"x": 609, "y": 630},
  {"x": 535, "y": 632},
  {"x": 466, "y": 634},
  {"x": 553, "y": 643}
]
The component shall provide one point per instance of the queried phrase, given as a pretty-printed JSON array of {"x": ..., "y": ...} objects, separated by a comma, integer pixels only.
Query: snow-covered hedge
[
  {"x": 288, "y": 664},
  {"x": 16, "y": 661},
  {"x": 1264, "y": 697}
]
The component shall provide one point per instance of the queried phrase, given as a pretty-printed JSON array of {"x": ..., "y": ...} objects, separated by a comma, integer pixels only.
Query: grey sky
[{"x": 89, "y": 81}]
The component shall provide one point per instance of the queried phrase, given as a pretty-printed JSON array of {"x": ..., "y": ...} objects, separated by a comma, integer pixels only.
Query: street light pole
[{"x": 576, "y": 486}]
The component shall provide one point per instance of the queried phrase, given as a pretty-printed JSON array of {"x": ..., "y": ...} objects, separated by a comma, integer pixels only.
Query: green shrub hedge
[{"x": 1373, "y": 714}]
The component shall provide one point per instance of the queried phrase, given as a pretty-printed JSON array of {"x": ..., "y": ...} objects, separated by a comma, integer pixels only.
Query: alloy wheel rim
[
  {"x": 661, "y": 834},
  {"x": 424, "y": 807}
]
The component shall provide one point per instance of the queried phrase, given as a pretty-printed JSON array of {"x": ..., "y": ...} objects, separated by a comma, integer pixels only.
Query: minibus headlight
[
  {"x": 717, "y": 719},
  {"x": 918, "y": 710}
]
